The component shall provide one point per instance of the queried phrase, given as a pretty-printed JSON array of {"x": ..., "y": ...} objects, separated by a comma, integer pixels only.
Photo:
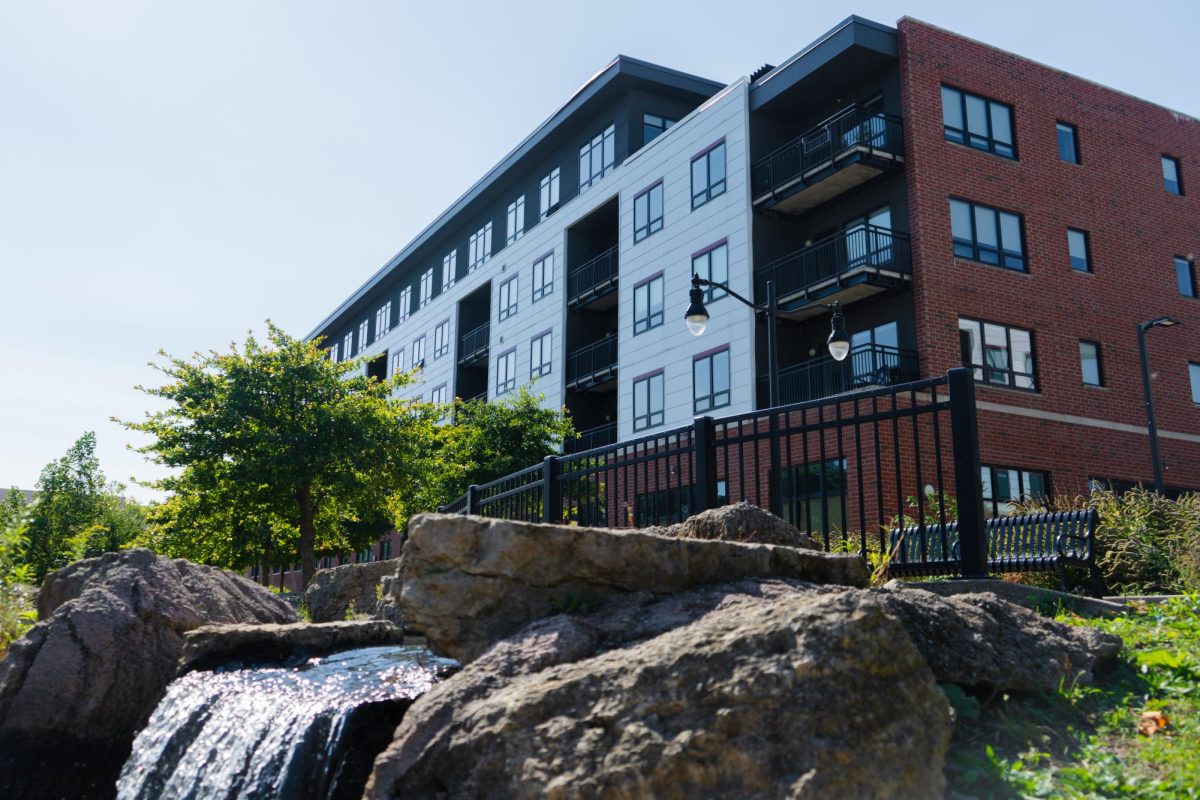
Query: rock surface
[
  {"x": 468, "y": 582},
  {"x": 211, "y": 646},
  {"x": 78, "y": 686},
  {"x": 354, "y": 587},
  {"x": 769, "y": 690},
  {"x": 739, "y": 522}
]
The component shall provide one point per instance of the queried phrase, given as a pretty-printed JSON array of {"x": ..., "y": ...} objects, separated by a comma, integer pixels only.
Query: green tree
[
  {"x": 279, "y": 450},
  {"x": 16, "y": 596}
]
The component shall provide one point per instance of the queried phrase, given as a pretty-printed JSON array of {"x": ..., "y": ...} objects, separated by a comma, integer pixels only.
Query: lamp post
[
  {"x": 1158, "y": 322},
  {"x": 697, "y": 321}
]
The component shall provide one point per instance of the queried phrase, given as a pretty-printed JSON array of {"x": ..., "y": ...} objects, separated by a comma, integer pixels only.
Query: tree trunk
[
  {"x": 266, "y": 567},
  {"x": 308, "y": 536}
]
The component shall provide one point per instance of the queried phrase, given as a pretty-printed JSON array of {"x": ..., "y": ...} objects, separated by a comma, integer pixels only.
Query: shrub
[{"x": 16, "y": 595}]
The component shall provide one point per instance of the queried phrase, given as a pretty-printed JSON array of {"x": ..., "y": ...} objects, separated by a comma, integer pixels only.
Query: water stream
[{"x": 310, "y": 731}]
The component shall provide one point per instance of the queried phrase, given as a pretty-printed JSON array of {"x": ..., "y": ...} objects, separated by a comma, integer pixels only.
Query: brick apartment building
[{"x": 964, "y": 205}]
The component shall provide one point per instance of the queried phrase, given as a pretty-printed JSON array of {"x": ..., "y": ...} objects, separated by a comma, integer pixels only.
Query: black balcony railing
[
  {"x": 473, "y": 345},
  {"x": 867, "y": 365},
  {"x": 600, "y": 436},
  {"x": 594, "y": 278},
  {"x": 850, "y": 131},
  {"x": 864, "y": 248},
  {"x": 592, "y": 365}
]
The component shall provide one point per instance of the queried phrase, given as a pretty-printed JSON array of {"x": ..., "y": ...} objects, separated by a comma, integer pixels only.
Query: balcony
[
  {"x": 599, "y": 436},
  {"x": 867, "y": 366},
  {"x": 845, "y": 267},
  {"x": 473, "y": 345},
  {"x": 845, "y": 151},
  {"x": 593, "y": 368},
  {"x": 594, "y": 283}
]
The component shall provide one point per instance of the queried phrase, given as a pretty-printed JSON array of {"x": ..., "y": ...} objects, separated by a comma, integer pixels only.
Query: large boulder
[
  {"x": 467, "y": 582},
  {"x": 212, "y": 646},
  {"x": 353, "y": 588},
  {"x": 739, "y": 522},
  {"x": 755, "y": 689},
  {"x": 79, "y": 685}
]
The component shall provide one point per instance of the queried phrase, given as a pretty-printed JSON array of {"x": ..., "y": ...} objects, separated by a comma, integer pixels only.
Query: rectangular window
[
  {"x": 1089, "y": 363},
  {"x": 1172, "y": 181},
  {"x": 441, "y": 339},
  {"x": 814, "y": 496},
  {"x": 1194, "y": 376},
  {"x": 713, "y": 264},
  {"x": 652, "y": 126},
  {"x": 479, "y": 247},
  {"x": 539, "y": 356},
  {"x": 426, "y": 287},
  {"x": 543, "y": 276},
  {"x": 708, "y": 175},
  {"x": 1185, "y": 277},
  {"x": 597, "y": 157},
  {"x": 333, "y": 352},
  {"x": 507, "y": 298},
  {"x": 648, "y": 305},
  {"x": 648, "y": 402},
  {"x": 383, "y": 320},
  {"x": 1077, "y": 247},
  {"x": 1068, "y": 145},
  {"x": 710, "y": 381},
  {"x": 1000, "y": 355},
  {"x": 405, "y": 303},
  {"x": 363, "y": 329},
  {"x": 449, "y": 269},
  {"x": 418, "y": 354},
  {"x": 1002, "y": 487},
  {"x": 516, "y": 219},
  {"x": 398, "y": 361},
  {"x": 977, "y": 122},
  {"x": 506, "y": 372},
  {"x": 438, "y": 395},
  {"x": 348, "y": 345},
  {"x": 987, "y": 235},
  {"x": 549, "y": 193},
  {"x": 648, "y": 212}
]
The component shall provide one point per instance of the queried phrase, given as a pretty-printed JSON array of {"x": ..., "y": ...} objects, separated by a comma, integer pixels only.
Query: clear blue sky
[{"x": 172, "y": 174}]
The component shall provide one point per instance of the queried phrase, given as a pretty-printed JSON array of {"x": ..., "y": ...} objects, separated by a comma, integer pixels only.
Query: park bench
[{"x": 1022, "y": 543}]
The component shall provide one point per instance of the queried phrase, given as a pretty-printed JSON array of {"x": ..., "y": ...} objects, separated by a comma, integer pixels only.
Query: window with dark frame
[
  {"x": 543, "y": 276},
  {"x": 597, "y": 158},
  {"x": 479, "y": 247},
  {"x": 506, "y": 299},
  {"x": 1078, "y": 250},
  {"x": 539, "y": 355},
  {"x": 1005, "y": 486},
  {"x": 1172, "y": 181},
  {"x": 708, "y": 174},
  {"x": 1000, "y": 355},
  {"x": 1068, "y": 142},
  {"x": 1090, "y": 365},
  {"x": 449, "y": 269},
  {"x": 441, "y": 339},
  {"x": 363, "y": 328},
  {"x": 516, "y": 220},
  {"x": 654, "y": 126},
  {"x": 978, "y": 122},
  {"x": 987, "y": 235},
  {"x": 418, "y": 351},
  {"x": 398, "y": 361},
  {"x": 1194, "y": 377},
  {"x": 549, "y": 193},
  {"x": 348, "y": 346},
  {"x": 438, "y": 397},
  {"x": 383, "y": 320},
  {"x": 1185, "y": 276},
  {"x": 426, "y": 287},
  {"x": 405, "y": 310},
  {"x": 648, "y": 305},
  {"x": 333, "y": 352},
  {"x": 506, "y": 372},
  {"x": 648, "y": 402},
  {"x": 648, "y": 212},
  {"x": 712, "y": 264},
  {"x": 710, "y": 381}
]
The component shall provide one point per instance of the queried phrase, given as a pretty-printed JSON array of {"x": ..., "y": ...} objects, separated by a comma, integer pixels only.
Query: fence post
[
  {"x": 551, "y": 494},
  {"x": 472, "y": 499},
  {"x": 968, "y": 487},
  {"x": 704, "y": 452}
]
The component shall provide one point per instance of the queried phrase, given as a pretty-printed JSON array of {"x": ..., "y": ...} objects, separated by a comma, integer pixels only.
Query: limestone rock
[
  {"x": 334, "y": 590},
  {"x": 211, "y": 646},
  {"x": 739, "y": 522},
  {"x": 468, "y": 581}
]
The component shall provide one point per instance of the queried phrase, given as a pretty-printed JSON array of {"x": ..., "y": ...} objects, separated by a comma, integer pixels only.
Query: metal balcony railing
[
  {"x": 592, "y": 365},
  {"x": 599, "y": 436},
  {"x": 832, "y": 258},
  {"x": 867, "y": 365},
  {"x": 594, "y": 278},
  {"x": 473, "y": 345}
]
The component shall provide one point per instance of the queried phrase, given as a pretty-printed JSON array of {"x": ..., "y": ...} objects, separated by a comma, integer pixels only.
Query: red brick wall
[{"x": 1135, "y": 230}]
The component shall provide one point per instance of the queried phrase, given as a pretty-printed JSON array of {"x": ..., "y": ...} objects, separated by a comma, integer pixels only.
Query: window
[
  {"x": 1003, "y": 486},
  {"x": 814, "y": 495},
  {"x": 385, "y": 549},
  {"x": 516, "y": 219},
  {"x": 479, "y": 247},
  {"x": 441, "y": 339},
  {"x": 710, "y": 381},
  {"x": 549, "y": 192},
  {"x": 426, "y": 287},
  {"x": 708, "y": 174},
  {"x": 597, "y": 157},
  {"x": 398, "y": 361},
  {"x": 713, "y": 264},
  {"x": 506, "y": 372},
  {"x": 648, "y": 401},
  {"x": 539, "y": 355},
  {"x": 1068, "y": 146},
  {"x": 1089, "y": 363},
  {"x": 405, "y": 303},
  {"x": 438, "y": 395},
  {"x": 987, "y": 235},
  {"x": 1185, "y": 277},
  {"x": 1171, "y": 179},
  {"x": 507, "y": 297},
  {"x": 543, "y": 276},
  {"x": 1000, "y": 355},
  {"x": 383, "y": 320},
  {"x": 977, "y": 122},
  {"x": 333, "y": 352},
  {"x": 648, "y": 212},
  {"x": 1077, "y": 247},
  {"x": 362, "y": 335},
  {"x": 1194, "y": 376},
  {"x": 348, "y": 345},
  {"x": 648, "y": 305},
  {"x": 449, "y": 269},
  {"x": 418, "y": 349},
  {"x": 652, "y": 126}
]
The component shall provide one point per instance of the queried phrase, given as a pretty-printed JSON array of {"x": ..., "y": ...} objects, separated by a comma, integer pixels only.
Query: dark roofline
[
  {"x": 851, "y": 31},
  {"x": 621, "y": 65}
]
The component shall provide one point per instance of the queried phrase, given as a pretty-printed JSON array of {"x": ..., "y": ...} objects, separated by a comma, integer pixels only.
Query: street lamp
[
  {"x": 1159, "y": 322},
  {"x": 696, "y": 317}
]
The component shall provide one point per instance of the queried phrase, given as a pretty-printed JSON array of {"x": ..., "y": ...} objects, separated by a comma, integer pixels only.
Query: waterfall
[{"x": 310, "y": 731}]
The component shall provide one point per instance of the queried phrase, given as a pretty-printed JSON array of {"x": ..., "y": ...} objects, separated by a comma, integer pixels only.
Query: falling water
[{"x": 310, "y": 731}]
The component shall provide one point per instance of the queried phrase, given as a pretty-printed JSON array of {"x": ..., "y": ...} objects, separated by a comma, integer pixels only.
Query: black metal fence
[
  {"x": 867, "y": 366},
  {"x": 847, "y": 469},
  {"x": 592, "y": 364},
  {"x": 864, "y": 247},
  {"x": 594, "y": 278}
]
